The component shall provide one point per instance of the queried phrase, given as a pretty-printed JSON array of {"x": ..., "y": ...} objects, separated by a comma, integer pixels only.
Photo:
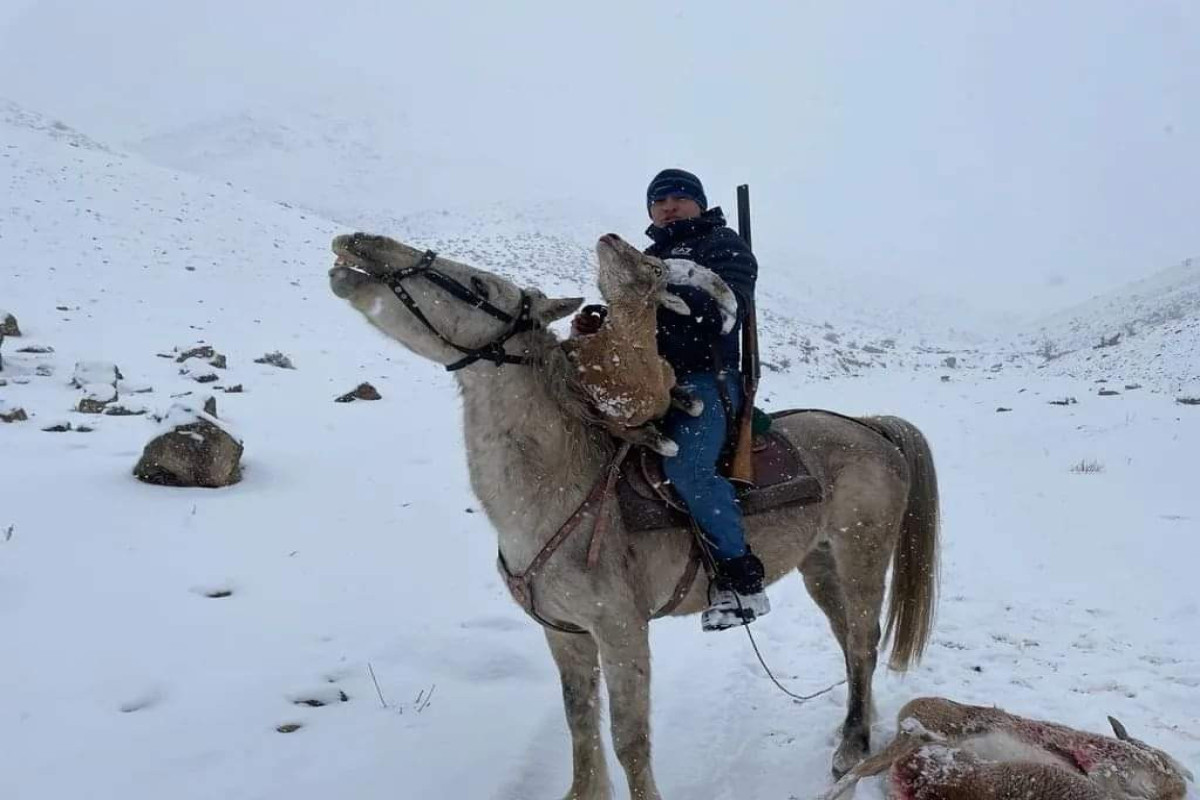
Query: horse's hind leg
[
  {"x": 579, "y": 668},
  {"x": 861, "y": 561},
  {"x": 820, "y": 577}
]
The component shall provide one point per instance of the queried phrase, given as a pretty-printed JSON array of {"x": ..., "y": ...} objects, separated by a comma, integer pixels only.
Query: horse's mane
[{"x": 560, "y": 378}]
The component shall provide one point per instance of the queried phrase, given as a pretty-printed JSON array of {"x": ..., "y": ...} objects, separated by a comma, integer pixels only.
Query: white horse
[{"x": 534, "y": 461}]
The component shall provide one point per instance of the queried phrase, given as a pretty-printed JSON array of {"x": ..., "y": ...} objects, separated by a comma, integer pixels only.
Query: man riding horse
[{"x": 706, "y": 365}]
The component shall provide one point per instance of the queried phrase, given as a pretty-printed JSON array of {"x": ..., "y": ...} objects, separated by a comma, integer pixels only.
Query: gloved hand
[{"x": 589, "y": 320}]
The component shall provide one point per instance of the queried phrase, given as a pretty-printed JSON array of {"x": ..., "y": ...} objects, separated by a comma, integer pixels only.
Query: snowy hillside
[
  {"x": 1169, "y": 296},
  {"x": 1147, "y": 332},
  {"x": 815, "y": 320},
  {"x": 333, "y": 625},
  {"x": 13, "y": 118}
]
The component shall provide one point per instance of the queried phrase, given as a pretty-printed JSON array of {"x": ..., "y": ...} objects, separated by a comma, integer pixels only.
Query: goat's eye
[
  {"x": 658, "y": 271},
  {"x": 479, "y": 286}
]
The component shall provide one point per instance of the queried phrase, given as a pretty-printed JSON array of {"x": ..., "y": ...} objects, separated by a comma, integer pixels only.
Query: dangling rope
[
  {"x": 798, "y": 698},
  {"x": 711, "y": 565}
]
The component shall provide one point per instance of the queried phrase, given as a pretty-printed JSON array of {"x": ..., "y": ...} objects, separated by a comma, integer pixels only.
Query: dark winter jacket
[{"x": 688, "y": 342}]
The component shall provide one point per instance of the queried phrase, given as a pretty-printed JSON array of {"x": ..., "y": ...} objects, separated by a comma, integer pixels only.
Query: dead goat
[
  {"x": 627, "y": 383},
  {"x": 945, "y": 750}
]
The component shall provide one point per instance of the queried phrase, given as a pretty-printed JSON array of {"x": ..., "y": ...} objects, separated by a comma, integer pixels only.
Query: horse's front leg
[
  {"x": 579, "y": 668},
  {"x": 625, "y": 656}
]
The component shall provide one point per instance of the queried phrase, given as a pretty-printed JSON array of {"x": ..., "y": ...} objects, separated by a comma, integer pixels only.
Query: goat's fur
[
  {"x": 945, "y": 750},
  {"x": 618, "y": 367}
]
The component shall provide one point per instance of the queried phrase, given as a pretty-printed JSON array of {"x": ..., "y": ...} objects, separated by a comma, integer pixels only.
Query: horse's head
[{"x": 441, "y": 310}]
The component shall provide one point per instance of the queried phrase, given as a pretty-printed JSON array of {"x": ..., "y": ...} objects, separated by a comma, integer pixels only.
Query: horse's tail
[{"x": 913, "y": 595}]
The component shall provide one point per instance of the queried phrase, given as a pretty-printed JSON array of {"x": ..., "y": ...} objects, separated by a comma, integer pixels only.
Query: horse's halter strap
[{"x": 492, "y": 351}]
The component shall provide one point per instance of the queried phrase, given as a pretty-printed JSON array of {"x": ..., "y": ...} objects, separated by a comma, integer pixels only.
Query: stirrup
[{"x": 729, "y": 609}]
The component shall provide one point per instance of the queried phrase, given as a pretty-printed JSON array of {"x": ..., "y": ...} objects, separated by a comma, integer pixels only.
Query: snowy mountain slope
[
  {"x": 548, "y": 246},
  {"x": 104, "y": 582},
  {"x": 324, "y": 162},
  {"x": 1170, "y": 295},
  {"x": 1147, "y": 332},
  {"x": 352, "y": 546},
  {"x": 345, "y": 175},
  {"x": 13, "y": 118}
]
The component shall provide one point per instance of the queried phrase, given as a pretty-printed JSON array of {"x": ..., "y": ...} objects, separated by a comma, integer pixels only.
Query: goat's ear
[
  {"x": 546, "y": 310},
  {"x": 1119, "y": 729}
]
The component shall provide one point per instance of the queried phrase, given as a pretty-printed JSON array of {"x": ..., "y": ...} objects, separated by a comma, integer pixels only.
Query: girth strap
[{"x": 520, "y": 584}]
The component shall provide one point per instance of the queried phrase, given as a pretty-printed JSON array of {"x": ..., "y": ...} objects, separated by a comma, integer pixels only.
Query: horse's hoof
[{"x": 847, "y": 757}]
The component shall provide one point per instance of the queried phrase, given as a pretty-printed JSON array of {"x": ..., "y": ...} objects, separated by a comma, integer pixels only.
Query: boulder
[
  {"x": 364, "y": 391},
  {"x": 194, "y": 449},
  {"x": 117, "y": 410},
  {"x": 87, "y": 372},
  {"x": 96, "y": 396},
  {"x": 8, "y": 324},
  {"x": 275, "y": 359},
  {"x": 203, "y": 351}
]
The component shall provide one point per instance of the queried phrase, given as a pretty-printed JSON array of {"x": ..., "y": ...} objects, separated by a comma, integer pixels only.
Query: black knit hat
[{"x": 676, "y": 182}]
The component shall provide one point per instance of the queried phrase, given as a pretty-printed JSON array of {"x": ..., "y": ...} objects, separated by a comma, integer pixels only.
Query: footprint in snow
[
  {"x": 140, "y": 701},
  {"x": 1158, "y": 661},
  {"x": 499, "y": 624},
  {"x": 1108, "y": 687},
  {"x": 216, "y": 591},
  {"x": 318, "y": 697}
]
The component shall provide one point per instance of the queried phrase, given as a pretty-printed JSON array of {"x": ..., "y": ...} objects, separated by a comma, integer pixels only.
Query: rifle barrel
[{"x": 743, "y": 206}]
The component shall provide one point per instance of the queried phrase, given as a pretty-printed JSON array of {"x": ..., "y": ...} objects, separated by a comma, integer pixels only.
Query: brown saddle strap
[
  {"x": 685, "y": 582},
  {"x": 520, "y": 584}
]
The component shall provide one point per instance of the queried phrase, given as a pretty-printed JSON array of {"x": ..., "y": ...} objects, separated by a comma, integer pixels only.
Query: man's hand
[{"x": 589, "y": 320}]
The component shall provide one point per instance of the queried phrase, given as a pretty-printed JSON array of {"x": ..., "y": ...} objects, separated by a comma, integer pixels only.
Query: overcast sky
[{"x": 1023, "y": 153}]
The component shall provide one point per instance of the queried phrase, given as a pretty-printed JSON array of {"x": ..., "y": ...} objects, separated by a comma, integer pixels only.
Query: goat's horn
[
  {"x": 674, "y": 302},
  {"x": 1119, "y": 729}
]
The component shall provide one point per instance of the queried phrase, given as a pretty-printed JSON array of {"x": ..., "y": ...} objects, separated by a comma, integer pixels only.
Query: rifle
[{"x": 741, "y": 468}]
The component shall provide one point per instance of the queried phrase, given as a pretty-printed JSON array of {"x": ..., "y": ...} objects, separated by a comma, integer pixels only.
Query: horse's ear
[{"x": 547, "y": 309}]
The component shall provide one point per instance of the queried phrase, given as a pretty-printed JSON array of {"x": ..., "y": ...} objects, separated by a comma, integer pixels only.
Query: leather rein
[{"x": 494, "y": 350}]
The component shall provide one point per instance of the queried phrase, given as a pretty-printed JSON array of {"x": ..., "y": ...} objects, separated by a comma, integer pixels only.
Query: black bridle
[{"x": 492, "y": 351}]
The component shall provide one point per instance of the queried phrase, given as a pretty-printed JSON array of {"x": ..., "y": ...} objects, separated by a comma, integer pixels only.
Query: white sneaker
[{"x": 729, "y": 609}]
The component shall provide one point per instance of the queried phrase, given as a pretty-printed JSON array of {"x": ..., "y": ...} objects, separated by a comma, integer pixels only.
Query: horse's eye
[{"x": 479, "y": 286}]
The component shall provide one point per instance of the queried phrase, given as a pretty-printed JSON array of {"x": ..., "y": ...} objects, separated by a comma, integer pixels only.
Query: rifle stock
[{"x": 741, "y": 467}]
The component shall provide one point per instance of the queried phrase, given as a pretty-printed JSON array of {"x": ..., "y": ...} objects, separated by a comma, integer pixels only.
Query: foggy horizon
[{"x": 1017, "y": 159}]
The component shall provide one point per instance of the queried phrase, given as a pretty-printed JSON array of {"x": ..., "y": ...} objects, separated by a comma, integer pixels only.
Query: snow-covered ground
[{"x": 155, "y": 639}]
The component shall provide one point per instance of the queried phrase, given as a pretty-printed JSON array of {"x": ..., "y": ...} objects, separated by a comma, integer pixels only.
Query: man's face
[{"x": 672, "y": 208}]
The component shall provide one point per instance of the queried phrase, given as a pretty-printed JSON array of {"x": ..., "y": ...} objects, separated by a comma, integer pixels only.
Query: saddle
[{"x": 649, "y": 502}]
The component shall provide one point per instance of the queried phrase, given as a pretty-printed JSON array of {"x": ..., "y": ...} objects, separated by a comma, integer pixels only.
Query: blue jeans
[{"x": 693, "y": 471}]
